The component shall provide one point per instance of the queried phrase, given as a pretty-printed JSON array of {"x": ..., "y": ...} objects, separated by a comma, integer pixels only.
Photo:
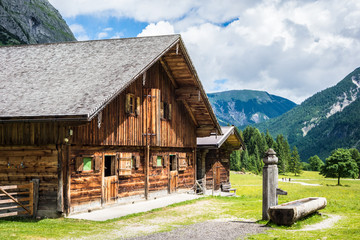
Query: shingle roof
[
  {"x": 72, "y": 79},
  {"x": 216, "y": 141}
]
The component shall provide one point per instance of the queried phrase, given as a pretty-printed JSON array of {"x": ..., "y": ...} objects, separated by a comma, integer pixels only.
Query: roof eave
[
  {"x": 201, "y": 88},
  {"x": 49, "y": 118}
]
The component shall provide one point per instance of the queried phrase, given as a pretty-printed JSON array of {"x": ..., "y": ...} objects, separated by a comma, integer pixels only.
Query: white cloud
[
  {"x": 79, "y": 32},
  {"x": 77, "y": 28},
  {"x": 286, "y": 47},
  {"x": 102, "y": 35},
  {"x": 160, "y": 28},
  {"x": 117, "y": 35}
]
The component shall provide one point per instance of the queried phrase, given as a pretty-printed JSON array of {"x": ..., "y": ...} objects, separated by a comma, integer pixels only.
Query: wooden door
[
  {"x": 110, "y": 189},
  {"x": 173, "y": 181}
]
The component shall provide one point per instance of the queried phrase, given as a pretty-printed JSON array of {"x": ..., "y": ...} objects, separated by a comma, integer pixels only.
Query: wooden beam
[
  {"x": 190, "y": 113},
  {"x": 204, "y": 130},
  {"x": 187, "y": 90},
  {"x": 188, "y": 93},
  {"x": 167, "y": 70}
]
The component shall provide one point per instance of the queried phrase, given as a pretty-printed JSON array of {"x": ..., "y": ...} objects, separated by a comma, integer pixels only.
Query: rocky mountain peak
[{"x": 31, "y": 22}]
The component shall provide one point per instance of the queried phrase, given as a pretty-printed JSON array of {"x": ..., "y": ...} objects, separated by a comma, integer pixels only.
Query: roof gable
[
  {"x": 72, "y": 79},
  {"x": 230, "y": 135}
]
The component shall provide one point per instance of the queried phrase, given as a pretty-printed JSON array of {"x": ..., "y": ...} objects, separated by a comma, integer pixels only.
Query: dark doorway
[
  {"x": 109, "y": 166},
  {"x": 173, "y": 163}
]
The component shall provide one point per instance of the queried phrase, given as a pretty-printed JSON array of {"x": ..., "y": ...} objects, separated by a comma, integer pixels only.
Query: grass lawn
[{"x": 343, "y": 201}]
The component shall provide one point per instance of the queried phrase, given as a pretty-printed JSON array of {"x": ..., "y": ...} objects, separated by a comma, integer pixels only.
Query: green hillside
[{"x": 324, "y": 121}]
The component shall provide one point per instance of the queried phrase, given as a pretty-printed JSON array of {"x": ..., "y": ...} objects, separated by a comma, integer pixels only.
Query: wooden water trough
[{"x": 288, "y": 213}]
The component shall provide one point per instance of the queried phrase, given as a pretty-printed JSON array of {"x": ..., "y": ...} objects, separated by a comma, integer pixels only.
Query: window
[
  {"x": 135, "y": 161},
  {"x": 132, "y": 105},
  {"x": 159, "y": 161},
  {"x": 87, "y": 164},
  {"x": 165, "y": 111},
  {"x": 173, "y": 162}
]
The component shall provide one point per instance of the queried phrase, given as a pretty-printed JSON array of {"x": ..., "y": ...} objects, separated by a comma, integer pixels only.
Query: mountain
[
  {"x": 328, "y": 120},
  {"x": 243, "y": 107},
  {"x": 31, "y": 22}
]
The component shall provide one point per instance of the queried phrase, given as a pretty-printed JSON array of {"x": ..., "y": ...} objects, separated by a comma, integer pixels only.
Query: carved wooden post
[{"x": 270, "y": 182}]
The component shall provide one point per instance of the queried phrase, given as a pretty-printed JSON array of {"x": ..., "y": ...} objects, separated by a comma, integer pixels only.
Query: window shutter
[
  {"x": 97, "y": 164},
  {"x": 182, "y": 161},
  {"x": 162, "y": 111},
  {"x": 137, "y": 162},
  {"x": 125, "y": 166},
  {"x": 154, "y": 160},
  {"x": 79, "y": 164},
  {"x": 127, "y": 103},
  {"x": 166, "y": 160},
  {"x": 115, "y": 164},
  {"x": 169, "y": 116},
  {"x": 138, "y": 105}
]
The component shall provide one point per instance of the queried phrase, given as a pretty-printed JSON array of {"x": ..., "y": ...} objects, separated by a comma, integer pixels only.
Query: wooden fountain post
[{"x": 270, "y": 182}]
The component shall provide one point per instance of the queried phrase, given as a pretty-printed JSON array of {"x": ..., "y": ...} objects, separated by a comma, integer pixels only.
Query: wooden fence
[{"x": 19, "y": 200}]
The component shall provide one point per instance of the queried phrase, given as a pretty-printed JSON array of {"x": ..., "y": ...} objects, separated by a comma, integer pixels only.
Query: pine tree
[
  {"x": 283, "y": 153},
  {"x": 235, "y": 161},
  {"x": 244, "y": 160},
  {"x": 295, "y": 165},
  {"x": 269, "y": 140}
]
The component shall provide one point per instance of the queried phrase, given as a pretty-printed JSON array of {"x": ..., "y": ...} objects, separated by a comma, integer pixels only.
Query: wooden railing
[{"x": 19, "y": 200}]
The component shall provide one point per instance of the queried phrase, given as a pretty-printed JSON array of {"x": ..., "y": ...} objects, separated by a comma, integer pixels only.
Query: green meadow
[{"x": 343, "y": 204}]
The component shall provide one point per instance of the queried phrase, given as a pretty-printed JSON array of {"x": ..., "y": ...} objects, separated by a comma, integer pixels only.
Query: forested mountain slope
[
  {"x": 243, "y": 107},
  {"x": 326, "y": 121}
]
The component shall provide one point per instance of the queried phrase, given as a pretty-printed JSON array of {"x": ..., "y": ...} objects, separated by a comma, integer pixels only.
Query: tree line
[
  {"x": 256, "y": 144},
  {"x": 341, "y": 163}
]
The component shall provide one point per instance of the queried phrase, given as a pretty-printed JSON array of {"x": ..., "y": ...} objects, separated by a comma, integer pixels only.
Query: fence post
[{"x": 35, "y": 196}]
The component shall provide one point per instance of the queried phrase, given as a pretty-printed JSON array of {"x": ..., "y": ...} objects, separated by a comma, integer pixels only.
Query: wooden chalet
[
  {"x": 213, "y": 157},
  {"x": 101, "y": 122}
]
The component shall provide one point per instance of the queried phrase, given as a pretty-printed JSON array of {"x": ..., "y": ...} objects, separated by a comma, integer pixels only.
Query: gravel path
[
  {"x": 327, "y": 223},
  {"x": 228, "y": 230}
]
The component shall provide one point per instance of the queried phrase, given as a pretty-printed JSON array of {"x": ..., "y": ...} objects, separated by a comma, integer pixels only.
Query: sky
[{"x": 289, "y": 48}]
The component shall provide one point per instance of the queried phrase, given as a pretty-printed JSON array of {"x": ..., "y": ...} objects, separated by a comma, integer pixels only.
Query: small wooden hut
[
  {"x": 213, "y": 157},
  {"x": 101, "y": 122}
]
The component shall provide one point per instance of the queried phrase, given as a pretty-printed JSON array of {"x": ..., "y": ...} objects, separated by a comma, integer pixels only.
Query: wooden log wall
[
  {"x": 187, "y": 177},
  {"x": 26, "y": 133},
  {"x": 159, "y": 176},
  {"x": 85, "y": 186},
  {"x": 19, "y": 165},
  {"x": 119, "y": 128},
  {"x": 135, "y": 183},
  {"x": 217, "y": 158}
]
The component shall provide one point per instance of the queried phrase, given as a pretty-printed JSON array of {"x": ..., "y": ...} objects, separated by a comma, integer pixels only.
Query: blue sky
[
  {"x": 290, "y": 48},
  {"x": 104, "y": 28}
]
